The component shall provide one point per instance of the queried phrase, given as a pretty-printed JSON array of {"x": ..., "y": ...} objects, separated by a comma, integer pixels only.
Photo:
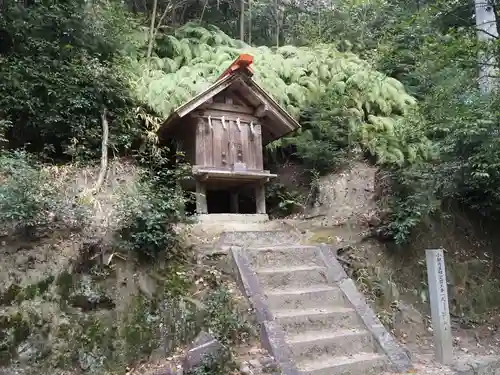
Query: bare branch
[
  {"x": 104, "y": 153},
  {"x": 487, "y": 33},
  {"x": 203, "y": 11},
  {"x": 151, "y": 32},
  {"x": 167, "y": 8}
]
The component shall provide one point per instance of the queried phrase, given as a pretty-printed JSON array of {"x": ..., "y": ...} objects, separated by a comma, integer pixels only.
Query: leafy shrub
[
  {"x": 436, "y": 59},
  {"x": 14, "y": 329},
  {"x": 30, "y": 200},
  {"x": 4, "y": 126},
  {"x": 326, "y": 136},
  {"x": 148, "y": 220},
  {"x": 212, "y": 366},
  {"x": 282, "y": 201},
  {"x": 222, "y": 317},
  {"x": 463, "y": 124},
  {"x": 55, "y": 83},
  {"x": 140, "y": 331},
  {"x": 413, "y": 200},
  {"x": 332, "y": 135},
  {"x": 149, "y": 210}
]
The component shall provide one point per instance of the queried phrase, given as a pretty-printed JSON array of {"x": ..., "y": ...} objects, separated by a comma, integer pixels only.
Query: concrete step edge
[
  {"x": 298, "y": 291},
  {"x": 337, "y": 361},
  {"x": 275, "y": 270},
  {"x": 312, "y": 336},
  {"x": 313, "y": 311},
  {"x": 255, "y": 231},
  {"x": 284, "y": 247}
]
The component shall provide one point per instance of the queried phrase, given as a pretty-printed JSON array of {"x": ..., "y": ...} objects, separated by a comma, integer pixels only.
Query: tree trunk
[
  {"x": 276, "y": 3},
  {"x": 242, "y": 20},
  {"x": 486, "y": 25},
  {"x": 319, "y": 19},
  {"x": 249, "y": 21},
  {"x": 152, "y": 32}
]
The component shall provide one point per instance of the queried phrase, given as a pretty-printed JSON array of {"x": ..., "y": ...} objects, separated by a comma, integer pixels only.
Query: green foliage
[
  {"x": 353, "y": 25},
  {"x": 222, "y": 318},
  {"x": 26, "y": 196},
  {"x": 332, "y": 134},
  {"x": 140, "y": 332},
  {"x": 192, "y": 58},
  {"x": 435, "y": 55},
  {"x": 413, "y": 200},
  {"x": 33, "y": 290},
  {"x": 57, "y": 73},
  {"x": 149, "y": 209},
  {"x": 177, "y": 283},
  {"x": 14, "y": 328},
  {"x": 346, "y": 102},
  {"x": 282, "y": 201},
  {"x": 4, "y": 126},
  {"x": 30, "y": 200},
  {"x": 95, "y": 343},
  {"x": 212, "y": 366},
  {"x": 327, "y": 133}
]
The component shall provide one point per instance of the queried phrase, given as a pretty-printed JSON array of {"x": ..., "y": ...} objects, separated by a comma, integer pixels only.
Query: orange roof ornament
[{"x": 242, "y": 63}]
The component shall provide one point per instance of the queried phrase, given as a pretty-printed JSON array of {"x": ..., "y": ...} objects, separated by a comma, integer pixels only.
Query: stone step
[
  {"x": 280, "y": 256},
  {"x": 291, "y": 277},
  {"x": 316, "y": 296},
  {"x": 317, "y": 319},
  {"x": 311, "y": 345},
  {"x": 258, "y": 238},
  {"x": 356, "y": 364}
]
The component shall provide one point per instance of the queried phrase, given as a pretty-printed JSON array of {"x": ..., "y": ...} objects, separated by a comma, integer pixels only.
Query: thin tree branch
[
  {"x": 183, "y": 14},
  {"x": 167, "y": 8},
  {"x": 104, "y": 153},
  {"x": 487, "y": 33},
  {"x": 151, "y": 32},
  {"x": 203, "y": 11}
]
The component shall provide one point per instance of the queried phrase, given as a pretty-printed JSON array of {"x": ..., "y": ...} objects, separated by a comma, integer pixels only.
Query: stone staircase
[{"x": 313, "y": 319}]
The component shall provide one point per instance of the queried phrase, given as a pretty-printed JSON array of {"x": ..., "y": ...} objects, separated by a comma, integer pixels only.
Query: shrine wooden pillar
[
  {"x": 260, "y": 198},
  {"x": 234, "y": 202},
  {"x": 201, "y": 198}
]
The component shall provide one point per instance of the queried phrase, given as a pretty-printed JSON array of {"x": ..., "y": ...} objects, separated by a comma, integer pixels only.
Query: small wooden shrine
[{"x": 222, "y": 132}]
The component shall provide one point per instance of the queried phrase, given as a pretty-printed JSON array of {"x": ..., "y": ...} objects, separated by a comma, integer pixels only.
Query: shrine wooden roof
[{"x": 238, "y": 78}]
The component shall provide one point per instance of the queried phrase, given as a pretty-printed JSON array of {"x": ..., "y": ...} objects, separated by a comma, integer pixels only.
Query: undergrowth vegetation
[
  {"x": 222, "y": 318},
  {"x": 32, "y": 203},
  {"x": 91, "y": 336},
  {"x": 149, "y": 209}
]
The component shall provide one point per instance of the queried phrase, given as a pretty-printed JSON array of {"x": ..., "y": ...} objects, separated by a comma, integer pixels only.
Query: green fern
[{"x": 377, "y": 106}]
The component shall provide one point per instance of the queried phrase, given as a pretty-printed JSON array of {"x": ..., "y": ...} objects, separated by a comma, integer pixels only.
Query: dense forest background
[{"x": 396, "y": 79}]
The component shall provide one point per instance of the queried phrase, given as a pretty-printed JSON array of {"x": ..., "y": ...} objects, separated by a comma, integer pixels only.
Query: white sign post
[{"x": 438, "y": 293}]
